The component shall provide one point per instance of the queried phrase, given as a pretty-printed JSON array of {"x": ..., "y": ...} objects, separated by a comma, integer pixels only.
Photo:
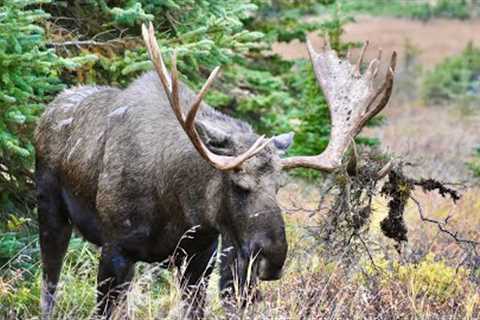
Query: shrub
[
  {"x": 454, "y": 9},
  {"x": 422, "y": 10},
  {"x": 204, "y": 34},
  {"x": 457, "y": 79},
  {"x": 29, "y": 78},
  {"x": 428, "y": 279},
  {"x": 474, "y": 164}
]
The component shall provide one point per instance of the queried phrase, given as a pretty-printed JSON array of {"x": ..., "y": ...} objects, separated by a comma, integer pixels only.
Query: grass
[{"x": 423, "y": 282}]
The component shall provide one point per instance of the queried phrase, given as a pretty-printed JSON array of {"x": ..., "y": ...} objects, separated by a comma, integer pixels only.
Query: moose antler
[
  {"x": 350, "y": 97},
  {"x": 170, "y": 85}
]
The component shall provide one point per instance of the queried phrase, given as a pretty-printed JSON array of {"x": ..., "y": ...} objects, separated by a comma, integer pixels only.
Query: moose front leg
[
  {"x": 194, "y": 280},
  {"x": 114, "y": 274},
  {"x": 237, "y": 284}
]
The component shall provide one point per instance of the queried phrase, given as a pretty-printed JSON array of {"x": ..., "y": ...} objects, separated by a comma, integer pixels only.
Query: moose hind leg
[
  {"x": 114, "y": 274},
  {"x": 54, "y": 233}
]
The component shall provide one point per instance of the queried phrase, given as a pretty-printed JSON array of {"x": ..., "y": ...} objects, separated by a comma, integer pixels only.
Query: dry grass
[
  {"x": 439, "y": 140},
  {"x": 424, "y": 282}
]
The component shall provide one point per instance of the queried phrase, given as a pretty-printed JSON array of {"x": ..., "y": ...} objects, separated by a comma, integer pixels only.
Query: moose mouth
[
  {"x": 261, "y": 268},
  {"x": 266, "y": 271}
]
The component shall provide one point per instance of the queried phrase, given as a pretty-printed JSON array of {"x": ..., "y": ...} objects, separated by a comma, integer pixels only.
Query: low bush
[
  {"x": 427, "y": 279},
  {"x": 29, "y": 78},
  {"x": 455, "y": 80},
  {"x": 421, "y": 10},
  {"x": 474, "y": 164}
]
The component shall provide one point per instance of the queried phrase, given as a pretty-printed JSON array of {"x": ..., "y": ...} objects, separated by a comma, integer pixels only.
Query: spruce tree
[{"x": 29, "y": 77}]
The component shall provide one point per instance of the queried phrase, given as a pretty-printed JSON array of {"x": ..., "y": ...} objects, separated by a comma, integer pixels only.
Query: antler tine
[
  {"x": 387, "y": 87},
  {"x": 385, "y": 170},
  {"x": 198, "y": 99},
  {"x": 253, "y": 150},
  {"x": 349, "y": 96},
  {"x": 379, "y": 58},
  {"x": 372, "y": 69},
  {"x": 156, "y": 57},
  {"x": 174, "y": 82},
  {"x": 171, "y": 88},
  {"x": 360, "y": 59},
  {"x": 349, "y": 53}
]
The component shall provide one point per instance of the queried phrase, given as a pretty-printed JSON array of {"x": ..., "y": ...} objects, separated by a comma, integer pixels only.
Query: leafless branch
[
  {"x": 441, "y": 225},
  {"x": 80, "y": 43}
]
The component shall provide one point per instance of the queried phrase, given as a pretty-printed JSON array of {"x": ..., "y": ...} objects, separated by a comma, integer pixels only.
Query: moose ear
[
  {"x": 283, "y": 141},
  {"x": 217, "y": 140}
]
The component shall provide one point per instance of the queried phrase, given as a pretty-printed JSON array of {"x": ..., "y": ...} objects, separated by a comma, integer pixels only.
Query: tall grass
[{"x": 425, "y": 281}]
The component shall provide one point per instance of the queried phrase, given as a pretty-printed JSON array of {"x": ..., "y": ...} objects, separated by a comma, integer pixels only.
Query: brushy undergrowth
[
  {"x": 313, "y": 287},
  {"x": 474, "y": 164},
  {"x": 455, "y": 81},
  {"x": 364, "y": 277},
  {"x": 421, "y": 10}
]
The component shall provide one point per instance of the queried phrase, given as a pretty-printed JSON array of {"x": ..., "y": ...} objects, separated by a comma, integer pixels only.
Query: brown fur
[{"x": 122, "y": 155}]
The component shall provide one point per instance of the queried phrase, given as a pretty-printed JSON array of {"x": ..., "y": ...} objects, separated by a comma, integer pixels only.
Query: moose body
[
  {"x": 116, "y": 165},
  {"x": 134, "y": 178}
]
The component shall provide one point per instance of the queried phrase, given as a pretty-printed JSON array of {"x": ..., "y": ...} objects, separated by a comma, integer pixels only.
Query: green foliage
[
  {"x": 203, "y": 33},
  {"x": 20, "y": 279},
  {"x": 333, "y": 29},
  {"x": 430, "y": 278},
  {"x": 455, "y": 80},
  {"x": 474, "y": 164},
  {"x": 453, "y": 9},
  {"x": 422, "y": 10},
  {"x": 106, "y": 48},
  {"x": 28, "y": 79}
]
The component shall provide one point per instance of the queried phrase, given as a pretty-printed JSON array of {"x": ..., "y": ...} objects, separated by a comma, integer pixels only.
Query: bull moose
[{"x": 133, "y": 170}]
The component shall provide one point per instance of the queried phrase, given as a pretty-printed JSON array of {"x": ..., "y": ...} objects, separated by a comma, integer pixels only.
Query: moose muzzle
[{"x": 270, "y": 251}]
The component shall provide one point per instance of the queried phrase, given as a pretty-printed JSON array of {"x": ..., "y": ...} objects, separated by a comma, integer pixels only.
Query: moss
[{"x": 398, "y": 189}]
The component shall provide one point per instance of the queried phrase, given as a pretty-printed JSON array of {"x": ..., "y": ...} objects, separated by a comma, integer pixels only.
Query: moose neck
[{"x": 193, "y": 187}]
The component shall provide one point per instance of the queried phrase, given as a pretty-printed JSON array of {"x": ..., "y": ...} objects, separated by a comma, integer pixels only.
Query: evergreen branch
[{"x": 79, "y": 43}]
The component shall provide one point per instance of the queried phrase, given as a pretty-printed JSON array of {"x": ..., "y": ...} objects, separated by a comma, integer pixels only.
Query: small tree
[{"x": 28, "y": 79}]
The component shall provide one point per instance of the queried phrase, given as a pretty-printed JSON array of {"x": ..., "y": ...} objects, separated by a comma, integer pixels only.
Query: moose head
[{"x": 250, "y": 166}]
